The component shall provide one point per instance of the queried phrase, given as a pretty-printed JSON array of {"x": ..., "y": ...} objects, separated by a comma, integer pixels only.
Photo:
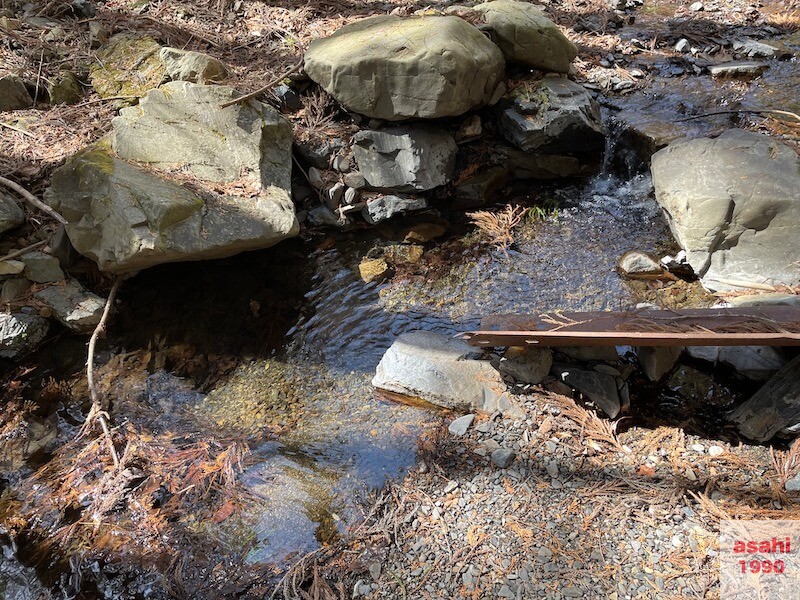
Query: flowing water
[{"x": 303, "y": 333}]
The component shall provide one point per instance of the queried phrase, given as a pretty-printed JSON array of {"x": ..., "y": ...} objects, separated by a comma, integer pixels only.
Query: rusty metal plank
[{"x": 751, "y": 326}]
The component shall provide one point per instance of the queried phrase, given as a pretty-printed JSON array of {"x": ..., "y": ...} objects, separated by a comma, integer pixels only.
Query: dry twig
[
  {"x": 32, "y": 200},
  {"x": 264, "y": 88}
]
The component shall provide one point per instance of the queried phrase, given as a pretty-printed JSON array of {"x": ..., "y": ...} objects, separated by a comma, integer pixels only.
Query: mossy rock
[{"x": 127, "y": 65}]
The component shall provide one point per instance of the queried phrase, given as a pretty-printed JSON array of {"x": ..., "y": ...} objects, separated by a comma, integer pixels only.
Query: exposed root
[{"x": 96, "y": 412}]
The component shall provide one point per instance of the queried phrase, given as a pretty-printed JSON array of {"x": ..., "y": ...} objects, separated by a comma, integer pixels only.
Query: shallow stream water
[{"x": 306, "y": 334}]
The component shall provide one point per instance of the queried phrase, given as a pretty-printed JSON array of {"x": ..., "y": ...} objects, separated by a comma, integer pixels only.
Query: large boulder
[
  {"x": 733, "y": 204},
  {"x": 440, "y": 369},
  {"x": 527, "y": 36},
  {"x": 397, "y": 68},
  {"x": 128, "y": 65},
  {"x": 406, "y": 158},
  {"x": 238, "y": 164},
  {"x": 552, "y": 115}
]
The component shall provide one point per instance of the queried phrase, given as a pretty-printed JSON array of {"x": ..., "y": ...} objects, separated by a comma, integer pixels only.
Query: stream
[{"x": 279, "y": 347}]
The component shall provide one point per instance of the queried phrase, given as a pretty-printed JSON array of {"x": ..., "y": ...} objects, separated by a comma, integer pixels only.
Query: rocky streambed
[{"x": 280, "y": 252}]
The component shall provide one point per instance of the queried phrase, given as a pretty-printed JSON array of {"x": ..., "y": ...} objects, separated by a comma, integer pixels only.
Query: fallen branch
[
  {"x": 17, "y": 129},
  {"x": 32, "y": 200},
  {"x": 21, "y": 251},
  {"x": 96, "y": 412},
  {"x": 264, "y": 88},
  {"x": 784, "y": 113}
]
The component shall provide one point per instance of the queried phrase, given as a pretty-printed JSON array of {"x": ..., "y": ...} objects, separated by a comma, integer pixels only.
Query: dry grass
[
  {"x": 593, "y": 431},
  {"x": 497, "y": 226}
]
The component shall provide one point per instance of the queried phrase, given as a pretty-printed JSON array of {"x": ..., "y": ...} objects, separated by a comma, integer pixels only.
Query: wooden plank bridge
[{"x": 751, "y": 326}]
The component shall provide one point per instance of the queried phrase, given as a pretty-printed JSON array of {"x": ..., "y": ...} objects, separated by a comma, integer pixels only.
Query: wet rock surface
[{"x": 441, "y": 370}]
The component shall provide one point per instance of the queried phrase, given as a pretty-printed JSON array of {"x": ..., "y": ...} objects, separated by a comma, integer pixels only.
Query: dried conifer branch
[
  {"x": 264, "y": 88},
  {"x": 32, "y": 200}
]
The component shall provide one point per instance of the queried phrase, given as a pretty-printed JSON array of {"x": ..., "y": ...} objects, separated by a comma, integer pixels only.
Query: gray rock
[
  {"x": 754, "y": 362},
  {"x": 11, "y": 214},
  {"x": 186, "y": 65},
  {"x": 76, "y": 308},
  {"x": 14, "y": 288},
  {"x": 683, "y": 45},
  {"x": 774, "y": 407},
  {"x": 65, "y": 88},
  {"x": 335, "y": 195},
  {"x": 638, "y": 263},
  {"x": 589, "y": 353},
  {"x": 756, "y": 49},
  {"x": 732, "y": 204},
  {"x": 322, "y": 216},
  {"x": 527, "y": 365},
  {"x": 288, "y": 98},
  {"x": 350, "y": 196},
  {"x": 62, "y": 249},
  {"x": 127, "y": 219},
  {"x": 503, "y": 457},
  {"x": 11, "y": 267},
  {"x": 315, "y": 178},
  {"x": 355, "y": 180},
  {"x": 180, "y": 125},
  {"x": 598, "y": 387},
  {"x": 793, "y": 484},
  {"x": 395, "y": 68},
  {"x": 20, "y": 334},
  {"x": 740, "y": 68},
  {"x": 657, "y": 361},
  {"x": 41, "y": 267},
  {"x": 441, "y": 370},
  {"x": 406, "y": 158},
  {"x": 127, "y": 65},
  {"x": 771, "y": 299},
  {"x": 13, "y": 94},
  {"x": 527, "y": 36},
  {"x": 319, "y": 152},
  {"x": 553, "y": 115},
  {"x": 382, "y": 208},
  {"x": 460, "y": 425}
]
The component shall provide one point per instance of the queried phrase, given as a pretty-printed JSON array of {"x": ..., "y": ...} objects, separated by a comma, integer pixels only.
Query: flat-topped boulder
[
  {"x": 182, "y": 180},
  {"x": 526, "y": 36},
  {"x": 397, "y": 68},
  {"x": 733, "y": 205}
]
